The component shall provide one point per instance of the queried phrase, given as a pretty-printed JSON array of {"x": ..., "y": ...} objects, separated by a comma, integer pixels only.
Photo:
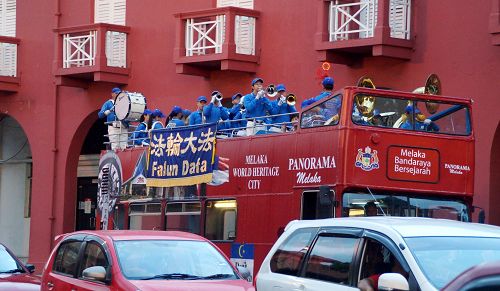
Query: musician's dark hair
[{"x": 328, "y": 86}]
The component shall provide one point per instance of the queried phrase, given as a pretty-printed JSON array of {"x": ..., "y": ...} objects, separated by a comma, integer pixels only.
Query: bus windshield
[
  {"x": 420, "y": 115},
  {"x": 402, "y": 204}
]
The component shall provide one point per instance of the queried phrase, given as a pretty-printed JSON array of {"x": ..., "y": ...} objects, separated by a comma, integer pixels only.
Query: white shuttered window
[
  {"x": 244, "y": 31},
  {"x": 113, "y": 12},
  {"x": 248, "y": 4},
  {"x": 8, "y": 51}
]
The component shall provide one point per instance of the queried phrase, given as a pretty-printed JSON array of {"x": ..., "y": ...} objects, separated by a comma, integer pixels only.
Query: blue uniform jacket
[
  {"x": 256, "y": 107},
  {"x": 195, "y": 118},
  {"x": 214, "y": 114},
  {"x": 157, "y": 125},
  {"x": 234, "y": 110},
  {"x": 175, "y": 122},
  {"x": 140, "y": 134},
  {"x": 281, "y": 109},
  {"x": 108, "y": 105}
]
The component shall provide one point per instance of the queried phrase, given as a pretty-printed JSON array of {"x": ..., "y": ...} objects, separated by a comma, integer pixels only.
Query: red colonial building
[{"x": 60, "y": 59}]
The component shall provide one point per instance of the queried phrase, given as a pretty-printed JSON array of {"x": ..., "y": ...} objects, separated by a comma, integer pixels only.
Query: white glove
[
  {"x": 107, "y": 112},
  {"x": 282, "y": 100},
  {"x": 427, "y": 121},
  {"x": 259, "y": 94},
  {"x": 213, "y": 99},
  {"x": 220, "y": 104}
]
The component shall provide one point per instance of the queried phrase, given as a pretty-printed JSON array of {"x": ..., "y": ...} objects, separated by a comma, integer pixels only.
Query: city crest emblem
[{"x": 367, "y": 160}]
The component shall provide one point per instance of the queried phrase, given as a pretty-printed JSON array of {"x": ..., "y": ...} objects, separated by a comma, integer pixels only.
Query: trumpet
[
  {"x": 218, "y": 95},
  {"x": 291, "y": 99},
  {"x": 271, "y": 90}
]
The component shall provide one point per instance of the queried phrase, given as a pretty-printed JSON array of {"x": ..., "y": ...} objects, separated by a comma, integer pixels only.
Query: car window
[
  {"x": 331, "y": 259},
  {"x": 377, "y": 259},
  {"x": 67, "y": 258},
  {"x": 7, "y": 262},
  {"x": 93, "y": 255},
  {"x": 289, "y": 255}
]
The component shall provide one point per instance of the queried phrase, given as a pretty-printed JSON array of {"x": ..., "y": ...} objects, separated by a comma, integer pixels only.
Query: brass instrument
[
  {"x": 271, "y": 90},
  {"x": 291, "y": 99},
  {"x": 432, "y": 86},
  {"x": 366, "y": 82},
  {"x": 218, "y": 95}
]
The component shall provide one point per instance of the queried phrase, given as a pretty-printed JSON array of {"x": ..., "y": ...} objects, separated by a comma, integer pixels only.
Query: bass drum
[{"x": 129, "y": 106}]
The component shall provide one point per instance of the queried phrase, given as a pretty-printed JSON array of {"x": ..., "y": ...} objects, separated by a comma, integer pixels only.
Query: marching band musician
[
  {"x": 214, "y": 111},
  {"x": 117, "y": 130},
  {"x": 280, "y": 106},
  {"x": 185, "y": 116},
  {"x": 197, "y": 116},
  {"x": 256, "y": 104},
  {"x": 327, "y": 90},
  {"x": 140, "y": 136},
  {"x": 157, "y": 115},
  {"x": 174, "y": 118},
  {"x": 235, "y": 100}
]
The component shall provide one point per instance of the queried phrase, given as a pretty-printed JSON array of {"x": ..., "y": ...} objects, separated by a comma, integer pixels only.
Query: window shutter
[
  {"x": 8, "y": 18},
  {"x": 399, "y": 18},
  {"x": 110, "y": 11},
  {"x": 8, "y": 59},
  {"x": 116, "y": 49},
  {"x": 368, "y": 17},
  {"x": 244, "y": 35},
  {"x": 248, "y": 4}
]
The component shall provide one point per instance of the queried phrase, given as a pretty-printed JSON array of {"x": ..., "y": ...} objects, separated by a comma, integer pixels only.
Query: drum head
[{"x": 122, "y": 105}]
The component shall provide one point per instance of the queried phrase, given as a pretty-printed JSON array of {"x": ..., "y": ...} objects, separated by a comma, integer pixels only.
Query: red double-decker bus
[{"x": 407, "y": 154}]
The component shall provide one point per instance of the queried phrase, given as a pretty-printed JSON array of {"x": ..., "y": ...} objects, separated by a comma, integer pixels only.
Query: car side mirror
[
  {"x": 392, "y": 281},
  {"x": 245, "y": 273},
  {"x": 95, "y": 273},
  {"x": 30, "y": 267}
]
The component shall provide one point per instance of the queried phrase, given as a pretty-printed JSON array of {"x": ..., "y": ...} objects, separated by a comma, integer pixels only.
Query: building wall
[{"x": 451, "y": 39}]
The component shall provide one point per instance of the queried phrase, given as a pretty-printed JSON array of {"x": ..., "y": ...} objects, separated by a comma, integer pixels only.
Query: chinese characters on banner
[{"x": 181, "y": 156}]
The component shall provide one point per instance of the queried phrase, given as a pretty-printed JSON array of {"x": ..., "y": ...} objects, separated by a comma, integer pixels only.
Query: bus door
[{"x": 318, "y": 204}]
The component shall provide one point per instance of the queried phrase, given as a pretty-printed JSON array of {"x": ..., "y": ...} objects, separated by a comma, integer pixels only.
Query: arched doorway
[
  {"x": 494, "y": 195},
  {"x": 88, "y": 166},
  {"x": 15, "y": 186}
]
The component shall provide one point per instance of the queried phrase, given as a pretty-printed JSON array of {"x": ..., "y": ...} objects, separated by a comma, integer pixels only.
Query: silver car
[{"x": 405, "y": 253}]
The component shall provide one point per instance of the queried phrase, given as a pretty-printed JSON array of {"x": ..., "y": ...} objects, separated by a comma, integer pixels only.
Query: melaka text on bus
[{"x": 407, "y": 154}]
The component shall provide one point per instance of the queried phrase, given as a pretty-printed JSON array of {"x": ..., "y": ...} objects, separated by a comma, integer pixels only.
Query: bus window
[
  {"x": 220, "y": 222},
  {"x": 356, "y": 204},
  {"x": 145, "y": 216},
  {"x": 437, "y": 209},
  {"x": 183, "y": 216},
  {"x": 421, "y": 115},
  {"x": 312, "y": 208},
  {"x": 324, "y": 114}
]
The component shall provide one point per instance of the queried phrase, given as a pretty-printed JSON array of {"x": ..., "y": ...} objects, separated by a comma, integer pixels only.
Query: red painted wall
[{"x": 451, "y": 39}]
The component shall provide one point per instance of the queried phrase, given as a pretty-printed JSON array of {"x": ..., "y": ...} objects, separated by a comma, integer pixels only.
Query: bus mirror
[{"x": 324, "y": 196}]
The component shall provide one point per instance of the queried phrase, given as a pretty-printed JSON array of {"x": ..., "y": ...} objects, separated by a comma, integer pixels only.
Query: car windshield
[
  {"x": 7, "y": 262},
  {"x": 172, "y": 260},
  {"x": 443, "y": 258}
]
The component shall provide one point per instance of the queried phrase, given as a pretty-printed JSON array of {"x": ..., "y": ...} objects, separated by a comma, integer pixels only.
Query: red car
[
  {"x": 140, "y": 260},
  {"x": 14, "y": 275},
  {"x": 478, "y": 278}
]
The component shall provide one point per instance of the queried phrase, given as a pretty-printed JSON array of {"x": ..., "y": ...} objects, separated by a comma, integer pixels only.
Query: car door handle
[{"x": 50, "y": 285}]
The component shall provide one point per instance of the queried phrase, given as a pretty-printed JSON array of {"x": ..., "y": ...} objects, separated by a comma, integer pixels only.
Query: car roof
[
  {"x": 406, "y": 226},
  {"x": 118, "y": 235}
]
